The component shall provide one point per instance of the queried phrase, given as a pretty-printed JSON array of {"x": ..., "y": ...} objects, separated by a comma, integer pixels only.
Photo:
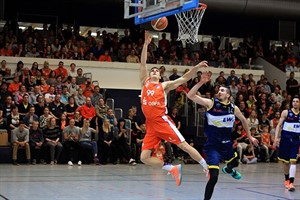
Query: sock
[
  {"x": 287, "y": 177},
  {"x": 292, "y": 173},
  {"x": 167, "y": 166},
  {"x": 203, "y": 163}
]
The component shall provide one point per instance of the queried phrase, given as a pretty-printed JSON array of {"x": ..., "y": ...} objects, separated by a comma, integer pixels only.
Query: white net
[{"x": 189, "y": 23}]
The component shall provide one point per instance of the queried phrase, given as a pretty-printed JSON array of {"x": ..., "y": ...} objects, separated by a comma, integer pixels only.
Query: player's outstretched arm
[
  {"x": 143, "y": 66},
  {"x": 205, "y": 77},
  {"x": 239, "y": 115},
  {"x": 278, "y": 127},
  {"x": 171, "y": 85}
]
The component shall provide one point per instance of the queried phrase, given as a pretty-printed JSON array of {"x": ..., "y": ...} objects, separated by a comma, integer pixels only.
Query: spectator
[
  {"x": 80, "y": 79},
  {"x": 267, "y": 143},
  {"x": 71, "y": 107},
  {"x": 86, "y": 139},
  {"x": 56, "y": 107},
  {"x": 107, "y": 143},
  {"x": 45, "y": 118},
  {"x": 52, "y": 135},
  {"x": 20, "y": 137},
  {"x": 249, "y": 156},
  {"x": 46, "y": 71},
  {"x": 87, "y": 110},
  {"x": 132, "y": 57},
  {"x": 96, "y": 95},
  {"x": 61, "y": 71},
  {"x": 30, "y": 117},
  {"x": 71, "y": 143},
  {"x": 292, "y": 86},
  {"x": 36, "y": 141},
  {"x": 105, "y": 57}
]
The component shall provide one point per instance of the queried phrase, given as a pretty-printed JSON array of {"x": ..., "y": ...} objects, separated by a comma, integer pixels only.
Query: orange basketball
[{"x": 159, "y": 24}]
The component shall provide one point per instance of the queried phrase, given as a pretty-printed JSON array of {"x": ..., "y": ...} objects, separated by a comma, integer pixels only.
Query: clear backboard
[{"x": 147, "y": 10}]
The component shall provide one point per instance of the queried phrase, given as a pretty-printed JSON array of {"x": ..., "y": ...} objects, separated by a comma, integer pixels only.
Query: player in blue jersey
[
  {"x": 219, "y": 121},
  {"x": 289, "y": 125}
]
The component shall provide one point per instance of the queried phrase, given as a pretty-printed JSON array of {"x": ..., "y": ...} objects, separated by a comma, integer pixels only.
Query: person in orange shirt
[
  {"x": 46, "y": 70},
  {"x": 88, "y": 88},
  {"x": 87, "y": 111},
  {"x": 106, "y": 57},
  {"x": 6, "y": 51},
  {"x": 14, "y": 86},
  {"x": 62, "y": 71},
  {"x": 159, "y": 125}
]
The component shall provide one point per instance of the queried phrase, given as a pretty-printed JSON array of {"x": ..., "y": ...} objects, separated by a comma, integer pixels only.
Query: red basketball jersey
[{"x": 154, "y": 102}]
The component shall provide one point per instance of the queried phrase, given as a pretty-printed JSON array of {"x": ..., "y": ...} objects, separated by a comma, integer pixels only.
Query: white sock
[
  {"x": 167, "y": 167},
  {"x": 292, "y": 171},
  {"x": 203, "y": 163}
]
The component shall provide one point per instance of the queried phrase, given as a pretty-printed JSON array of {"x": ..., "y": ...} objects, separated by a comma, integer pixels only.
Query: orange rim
[{"x": 202, "y": 6}]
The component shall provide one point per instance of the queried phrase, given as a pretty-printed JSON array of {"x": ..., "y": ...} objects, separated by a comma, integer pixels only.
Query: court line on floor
[
  {"x": 3, "y": 197},
  {"x": 266, "y": 194}
]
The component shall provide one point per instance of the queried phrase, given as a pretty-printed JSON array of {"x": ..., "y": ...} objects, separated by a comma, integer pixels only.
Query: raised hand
[
  {"x": 148, "y": 37},
  {"x": 202, "y": 64}
]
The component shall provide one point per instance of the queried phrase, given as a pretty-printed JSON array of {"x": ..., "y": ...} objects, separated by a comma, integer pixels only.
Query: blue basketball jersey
[
  {"x": 291, "y": 125},
  {"x": 219, "y": 120}
]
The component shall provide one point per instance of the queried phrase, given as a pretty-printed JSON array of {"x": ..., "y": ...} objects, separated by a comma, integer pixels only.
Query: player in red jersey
[{"x": 159, "y": 125}]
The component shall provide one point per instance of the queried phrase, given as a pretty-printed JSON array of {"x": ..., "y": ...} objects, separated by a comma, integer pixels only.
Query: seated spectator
[
  {"x": 20, "y": 137},
  {"x": 33, "y": 53},
  {"x": 56, "y": 107},
  {"x": 24, "y": 106},
  {"x": 71, "y": 107},
  {"x": 34, "y": 94},
  {"x": 72, "y": 71},
  {"x": 132, "y": 58},
  {"x": 86, "y": 139},
  {"x": 6, "y": 50},
  {"x": 101, "y": 110},
  {"x": 36, "y": 141},
  {"x": 73, "y": 87},
  {"x": 30, "y": 117},
  {"x": 80, "y": 99},
  {"x": 52, "y": 135},
  {"x": 65, "y": 95},
  {"x": 252, "y": 120},
  {"x": 44, "y": 87},
  {"x": 107, "y": 143},
  {"x": 15, "y": 85},
  {"x": 267, "y": 143},
  {"x": 78, "y": 119},
  {"x": 20, "y": 94},
  {"x": 105, "y": 57},
  {"x": 88, "y": 88},
  {"x": 80, "y": 79},
  {"x": 46, "y": 70},
  {"x": 87, "y": 110},
  {"x": 249, "y": 156},
  {"x": 96, "y": 95},
  {"x": 52, "y": 79},
  {"x": 239, "y": 136},
  {"x": 61, "y": 71},
  {"x": 71, "y": 134},
  {"x": 45, "y": 118}
]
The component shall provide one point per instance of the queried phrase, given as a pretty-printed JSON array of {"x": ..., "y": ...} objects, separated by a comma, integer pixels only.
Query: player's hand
[
  {"x": 254, "y": 141},
  {"x": 206, "y": 171},
  {"x": 202, "y": 64},
  {"x": 148, "y": 37}
]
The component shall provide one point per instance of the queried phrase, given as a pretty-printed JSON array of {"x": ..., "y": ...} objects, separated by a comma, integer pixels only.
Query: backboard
[{"x": 147, "y": 10}]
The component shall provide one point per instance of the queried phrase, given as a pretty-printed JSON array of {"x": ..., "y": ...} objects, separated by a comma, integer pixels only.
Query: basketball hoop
[{"x": 189, "y": 23}]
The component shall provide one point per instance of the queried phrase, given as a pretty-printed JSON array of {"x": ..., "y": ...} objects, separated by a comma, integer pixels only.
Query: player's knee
[
  {"x": 233, "y": 163},
  {"x": 145, "y": 155}
]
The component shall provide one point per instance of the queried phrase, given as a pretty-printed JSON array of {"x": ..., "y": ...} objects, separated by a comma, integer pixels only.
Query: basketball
[{"x": 159, "y": 24}]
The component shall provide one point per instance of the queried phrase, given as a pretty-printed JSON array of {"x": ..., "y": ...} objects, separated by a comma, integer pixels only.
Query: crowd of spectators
[
  {"x": 71, "y": 112},
  {"x": 68, "y": 43}
]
